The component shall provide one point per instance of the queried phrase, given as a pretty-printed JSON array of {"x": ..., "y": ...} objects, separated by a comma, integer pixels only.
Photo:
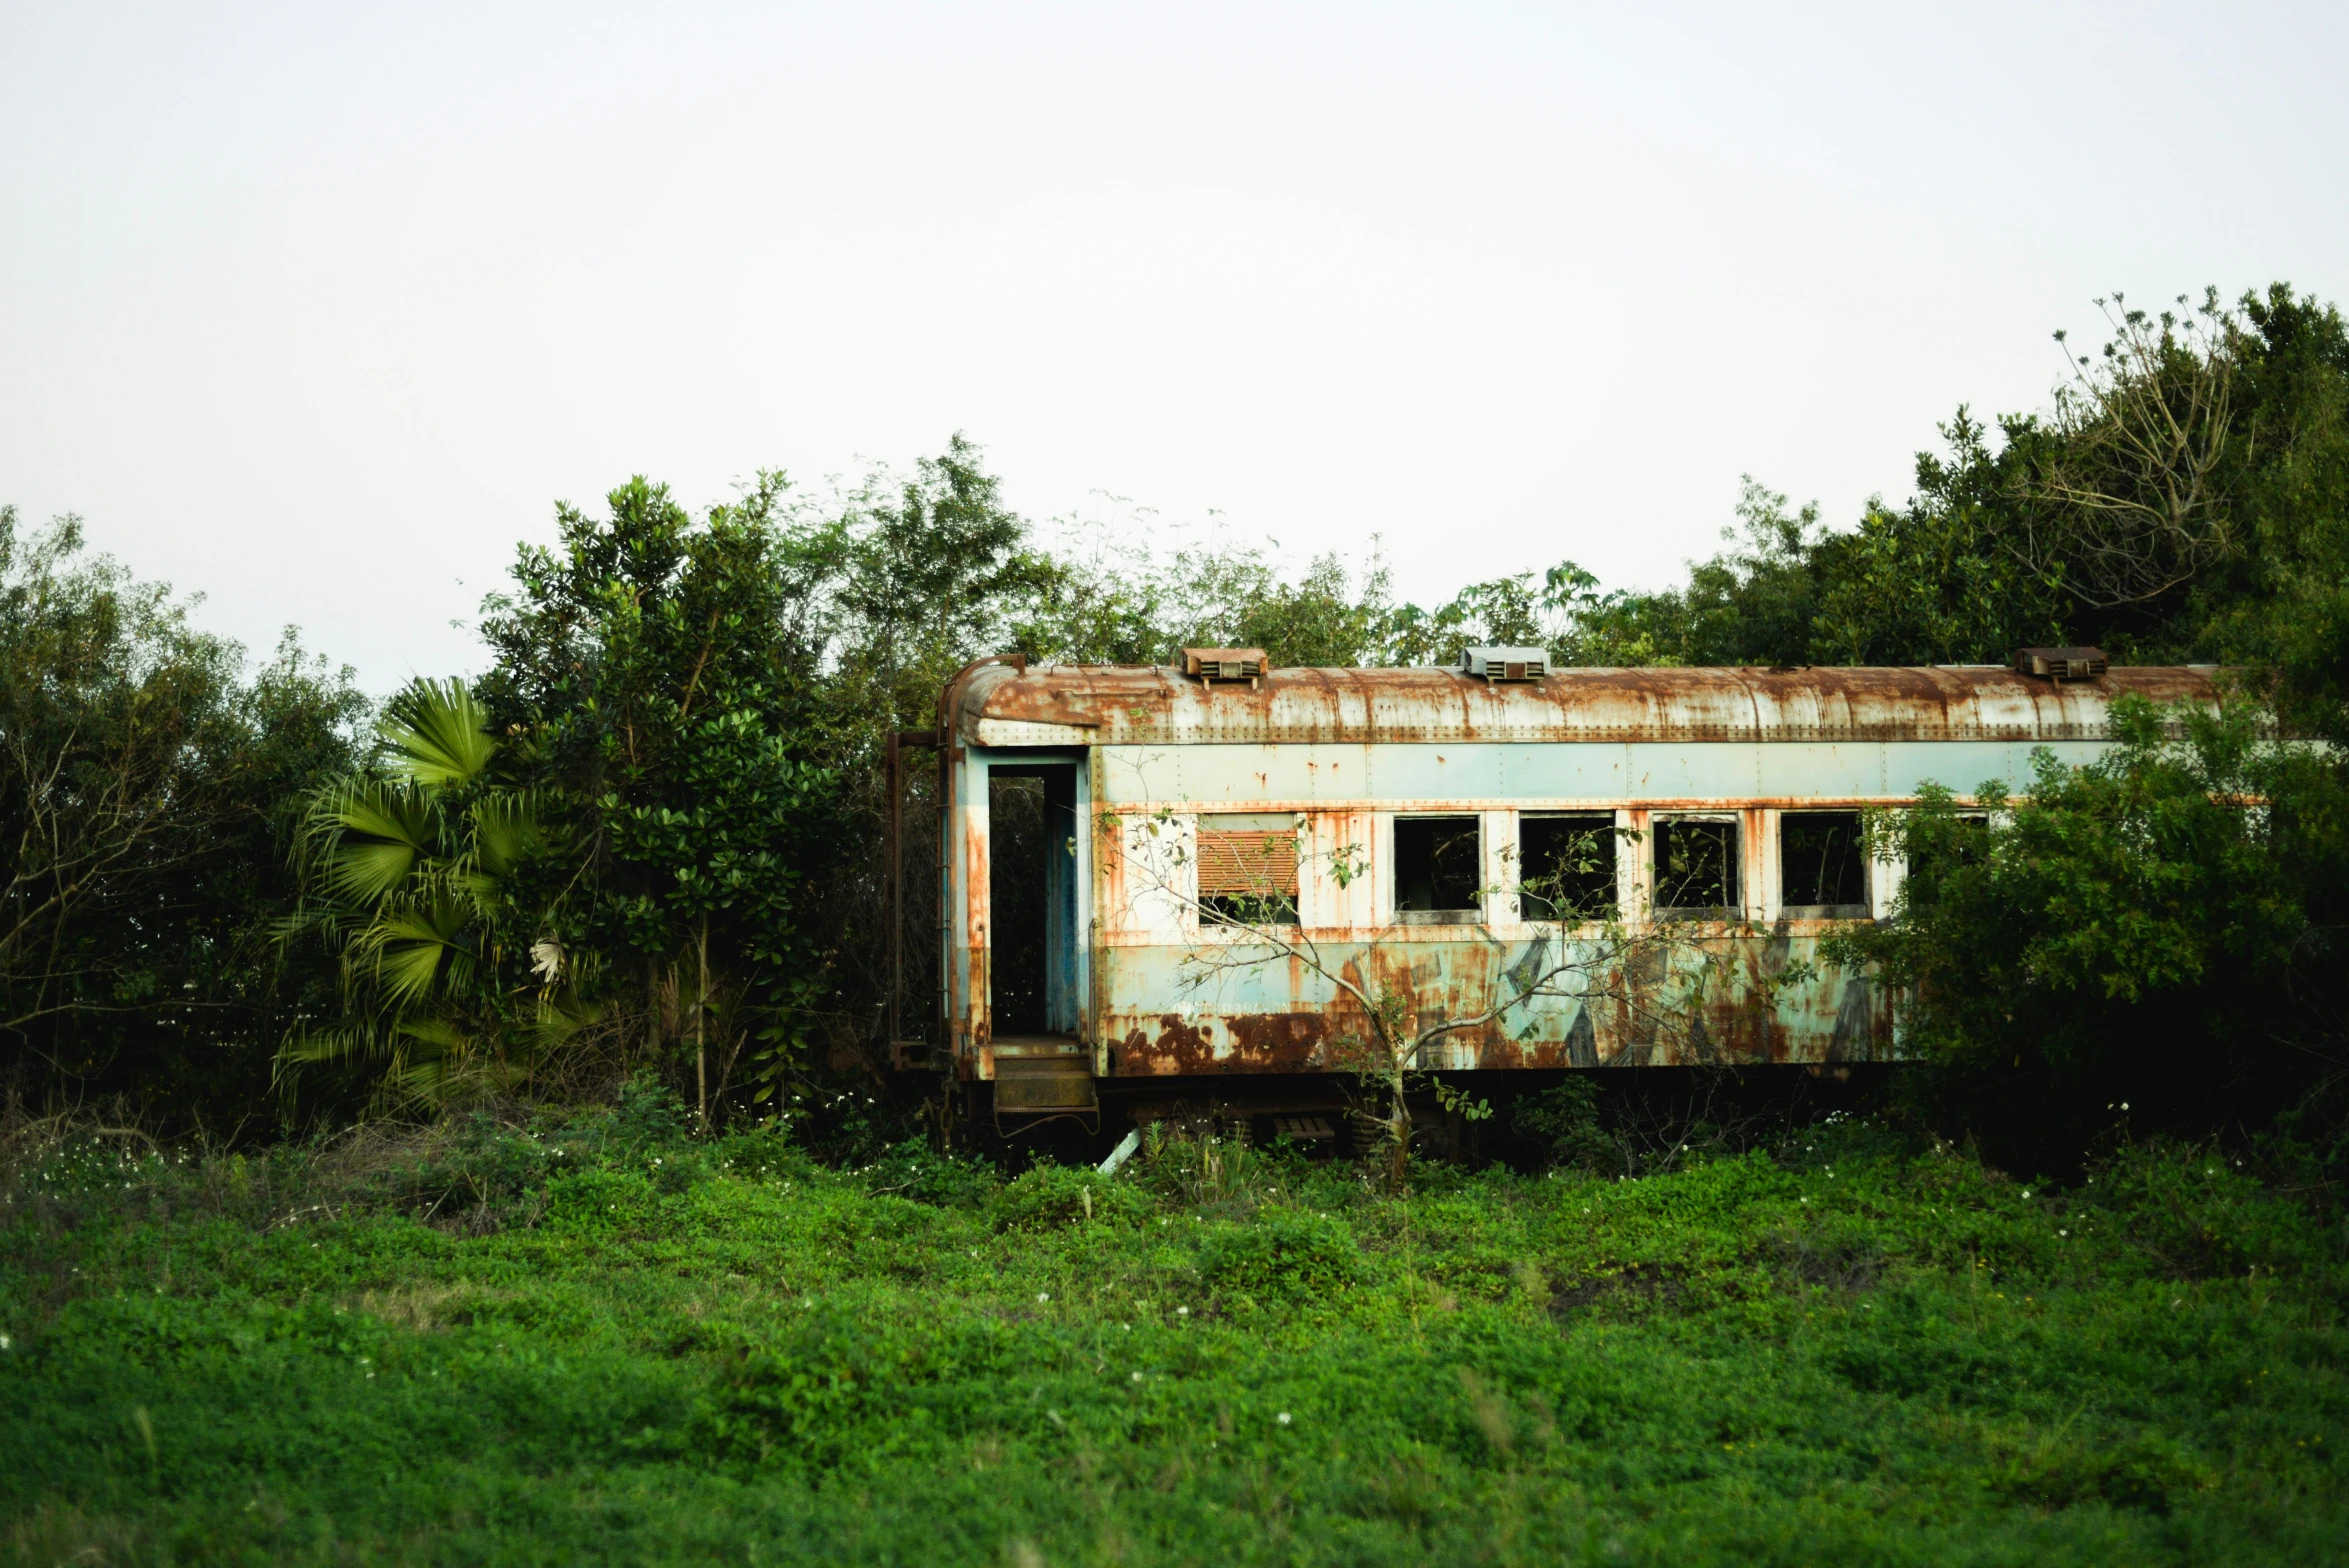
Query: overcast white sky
[{"x": 317, "y": 309}]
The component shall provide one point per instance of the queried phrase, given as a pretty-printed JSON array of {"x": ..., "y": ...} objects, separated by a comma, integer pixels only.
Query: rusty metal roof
[{"x": 998, "y": 703}]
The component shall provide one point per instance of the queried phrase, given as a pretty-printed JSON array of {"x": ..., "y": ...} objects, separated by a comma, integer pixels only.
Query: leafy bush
[
  {"x": 2194, "y": 1214},
  {"x": 1284, "y": 1254},
  {"x": 946, "y": 1179},
  {"x": 1564, "y": 1123},
  {"x": 1051, "y": 1197},
  {"x": 2159, "y": 929},
  {"x": 1896, "y": 1357},
  {"x": 2142, "y": 1470}
]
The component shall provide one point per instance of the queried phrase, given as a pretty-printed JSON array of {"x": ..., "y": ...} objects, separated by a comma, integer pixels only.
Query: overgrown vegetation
[
  {"x": 663, "y": 847},
  {"x": 597, "y": 1337},
  {"x": 461, "y": 1131}
]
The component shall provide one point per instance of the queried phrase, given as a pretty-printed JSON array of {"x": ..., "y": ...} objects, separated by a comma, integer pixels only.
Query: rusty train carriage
[{"x": 1090, "y": 979}]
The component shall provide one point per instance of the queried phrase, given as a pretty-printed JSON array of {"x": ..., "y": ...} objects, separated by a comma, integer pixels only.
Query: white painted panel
[
  {"x": 1500, "y": 877},
  {"x": 1701, "y": 770},
  {"x": 1242, "y": 775},
  {"x": 1564, "y": 772},
  {"x": 1435, "y": 773},
  {"x": 1160, "y": 876},
  {"x": 1849, "y": 768},
  {"x": 1134, "y": 773},
  {"x": 1965, "y": 765},
  {"x": 1234, "y": 775},
  {"x": 1332, "y": 836},
  {"x": 1961, "y": 765}
]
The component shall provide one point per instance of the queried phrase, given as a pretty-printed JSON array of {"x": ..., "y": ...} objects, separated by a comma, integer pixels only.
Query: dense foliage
[
  {"x": 707, "y": 1304},
  {"x": 2158, "y": 934},
  {"x": 666, "y": 850},
  {"x": 598, "y": 1339},
  {"x": 149, "y": 796}
]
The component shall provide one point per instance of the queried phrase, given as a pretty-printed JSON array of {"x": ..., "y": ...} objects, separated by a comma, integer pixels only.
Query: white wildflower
[
  {"x": 1284, "y": 1418},
  {"x": 546, "y": 960}
]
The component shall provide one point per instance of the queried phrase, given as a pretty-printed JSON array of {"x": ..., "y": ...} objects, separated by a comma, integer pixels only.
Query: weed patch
[{"x": 655, "y": 1348}]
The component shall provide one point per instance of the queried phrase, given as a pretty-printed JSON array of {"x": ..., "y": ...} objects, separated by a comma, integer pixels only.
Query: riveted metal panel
[
  {"x": 1126, "y": 705},
  {"x": 1019, "y": 732},
  {"x": 1348, "y": 749}
]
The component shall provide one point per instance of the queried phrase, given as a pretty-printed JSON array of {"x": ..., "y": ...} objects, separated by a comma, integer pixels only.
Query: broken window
[
  {"x": 1566, "y": 866},
  {"x": 1248, "y": 868},
  {"x": 1696, "y": 866},
  {"x": 1822, "y": 865},
  {"x": 1439, "y": 863}
]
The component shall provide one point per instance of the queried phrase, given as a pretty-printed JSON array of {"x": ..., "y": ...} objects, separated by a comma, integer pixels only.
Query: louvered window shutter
[{"x": 1247, "y": 863}]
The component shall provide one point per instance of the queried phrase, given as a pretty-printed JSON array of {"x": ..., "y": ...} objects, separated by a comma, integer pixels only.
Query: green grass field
[{"x": 599, "y": 1340}]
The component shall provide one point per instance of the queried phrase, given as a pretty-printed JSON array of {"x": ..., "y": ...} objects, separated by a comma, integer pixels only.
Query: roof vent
[
  {"x": 2060, "y": 664},
  {"x": 1507, "y": 664},
  {"x": 1224, "y": 664}
]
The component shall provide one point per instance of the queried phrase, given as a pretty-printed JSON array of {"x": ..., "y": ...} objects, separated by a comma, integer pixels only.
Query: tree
[
  {"x": 415, "y": 879},
  {"x": 2162, "y": 928},
  {"x": 2126, "y": 500},
  {"x": 661, "y": 678},
  {"x": 143, "y": 785},
  {"x": 2281, "y": 608}
]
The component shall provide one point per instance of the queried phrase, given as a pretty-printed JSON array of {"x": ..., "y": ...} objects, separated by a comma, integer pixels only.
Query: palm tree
[{"x": 411, "y": 875}]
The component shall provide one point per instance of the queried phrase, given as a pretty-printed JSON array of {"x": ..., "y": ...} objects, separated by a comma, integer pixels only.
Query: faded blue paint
[{"x": 1138, "y": 981}]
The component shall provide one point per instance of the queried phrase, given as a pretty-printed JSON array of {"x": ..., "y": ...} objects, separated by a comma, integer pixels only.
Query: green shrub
[
  {"x": 2195, "y": 1215},
  {"x": 2144, "y": 1470},
  {"x": 1049, "y": 1197},
  {"x": 1564, "y": 1122},
  {"x": 1283, "y": 1254},
  {"x": 949, "y": 1181}
]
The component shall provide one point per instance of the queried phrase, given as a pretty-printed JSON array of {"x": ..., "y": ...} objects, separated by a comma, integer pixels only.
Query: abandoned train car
[{"x": 1099, "y": 824}]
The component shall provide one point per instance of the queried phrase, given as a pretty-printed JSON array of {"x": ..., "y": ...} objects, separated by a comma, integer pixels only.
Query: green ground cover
[{"x": 595, "y": 1339}]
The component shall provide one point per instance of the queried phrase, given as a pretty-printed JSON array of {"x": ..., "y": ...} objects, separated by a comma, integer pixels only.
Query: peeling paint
[{"x": 1349, "y": 749}]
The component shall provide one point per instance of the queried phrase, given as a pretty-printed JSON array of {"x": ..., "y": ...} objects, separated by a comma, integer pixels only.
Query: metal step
[{"x": 1044, "y": 1084}]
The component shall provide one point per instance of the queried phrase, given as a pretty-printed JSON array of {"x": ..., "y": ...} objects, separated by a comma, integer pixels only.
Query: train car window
[
  {"x": 1696, "y": 866},
  {"x": 1566, "y": 865},
  {"x": 1248, "y": 868},
  {"x": 1438, "y": 861},
  {"x": 1822, "y": 865}
]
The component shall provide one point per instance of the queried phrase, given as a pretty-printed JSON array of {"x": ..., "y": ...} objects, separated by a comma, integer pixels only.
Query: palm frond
[
  {"x": 411, "y": 943},
  {"x": 362, "y": 837},
  {"x": 396, "y": 813},
  {"x": 344, "y": 1043},
  {"x": 365, "y": 872},
  {"x": 561, "y": 1015},
  {"x": 436, "y": 734},
  {"x": 508, "y": 829}
]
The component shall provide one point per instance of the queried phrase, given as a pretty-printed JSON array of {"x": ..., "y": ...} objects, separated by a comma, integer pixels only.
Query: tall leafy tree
[
  {"x": 661, "y": 676},
  {"x": 145, "y": 796},
  {"x": 2163, "y": 928}
]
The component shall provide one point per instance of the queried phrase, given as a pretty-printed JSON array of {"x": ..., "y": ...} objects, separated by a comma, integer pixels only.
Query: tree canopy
[{"x": 647, "y": 833}]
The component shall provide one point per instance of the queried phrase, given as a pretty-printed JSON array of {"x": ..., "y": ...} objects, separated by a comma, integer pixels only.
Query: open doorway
[{"x": 1032, "y": 902}]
